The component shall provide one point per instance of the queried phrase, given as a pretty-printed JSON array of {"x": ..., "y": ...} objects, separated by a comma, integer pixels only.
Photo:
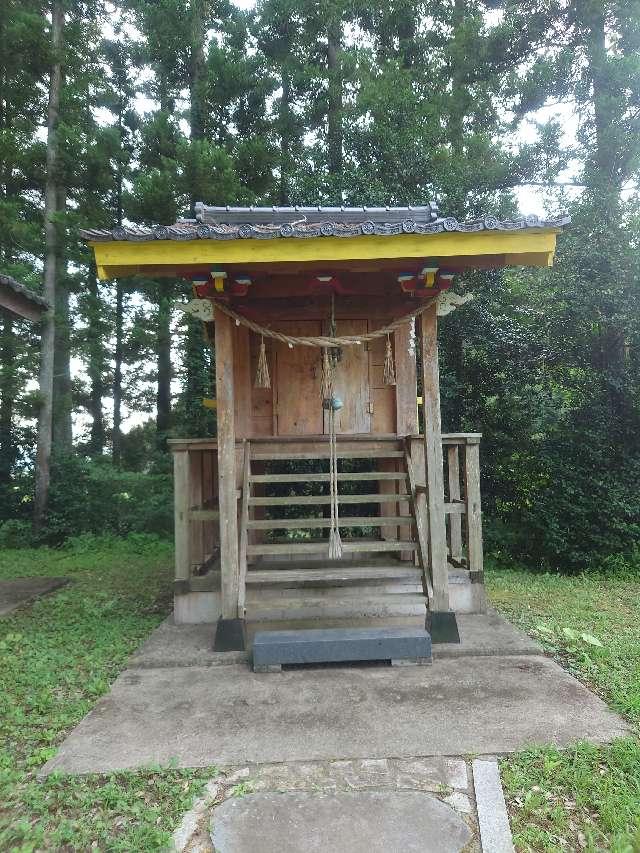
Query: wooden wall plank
[
  {"x": 262, "y": 405},
  {"x": 351, "y": 383},
  {"x": 181, "y": 514},
  {"x": 299, "y": 405},
  {"x": 242, "y": 381},
  {"x": 455, "y": 522},
  {"x": 196, "y": 528},
  {"x": 473, "y": 517},
  {"x": 209, "y": 495}
]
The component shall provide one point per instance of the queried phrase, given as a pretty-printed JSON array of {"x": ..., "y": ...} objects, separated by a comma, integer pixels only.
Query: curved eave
[{"x": 114, "y": 258}]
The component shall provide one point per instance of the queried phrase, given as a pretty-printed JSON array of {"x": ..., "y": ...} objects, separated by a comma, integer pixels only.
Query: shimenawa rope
[{"x": 323, "y": 340}]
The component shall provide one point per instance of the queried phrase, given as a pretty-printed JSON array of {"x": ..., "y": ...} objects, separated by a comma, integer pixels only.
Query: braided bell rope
[{"x": 323, "y": 340}]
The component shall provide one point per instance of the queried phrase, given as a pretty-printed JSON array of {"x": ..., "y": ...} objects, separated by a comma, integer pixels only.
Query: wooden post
[
  {"x": 181, "y": 519},
  {"x": 229, "y": 632},
  {"x": 473, "y": 516},
  {"x": 455, "y": 522},
  {"x": 196, "y": 528},
  {"x": 406, "y": 387},
  {"x": 244, "y": 520},
  {"x": 433, "y": 459}
]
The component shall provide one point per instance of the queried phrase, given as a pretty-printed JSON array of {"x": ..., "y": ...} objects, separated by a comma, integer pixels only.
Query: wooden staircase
[{"x": 285, "y": 574}]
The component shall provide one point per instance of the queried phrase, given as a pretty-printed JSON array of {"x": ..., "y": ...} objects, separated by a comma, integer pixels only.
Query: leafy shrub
[
  {"x": 94, "y": 498},
  {"x": 16, "y": 533}
]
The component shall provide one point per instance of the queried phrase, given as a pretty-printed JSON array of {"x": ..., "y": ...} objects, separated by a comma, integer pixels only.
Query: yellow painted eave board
[{"x": 130, "y": 255}]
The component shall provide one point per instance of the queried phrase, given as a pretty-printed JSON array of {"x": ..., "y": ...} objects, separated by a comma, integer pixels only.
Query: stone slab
[
  {"x": 331, "y": 645},
  {"x": 358, "y": 822},
  {"x": 14, "y": 593},
  {"x": 229, "y": 716},
  {"x": 493, "y": 819}
]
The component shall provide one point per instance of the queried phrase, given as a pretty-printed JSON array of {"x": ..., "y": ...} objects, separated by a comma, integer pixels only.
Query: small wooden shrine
[{"x": 325, "y": 498}]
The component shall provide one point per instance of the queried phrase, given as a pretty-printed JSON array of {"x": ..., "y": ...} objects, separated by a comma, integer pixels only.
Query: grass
[
  {"x": 586, "y": 797},
  {"x": 57, "y": 657}
]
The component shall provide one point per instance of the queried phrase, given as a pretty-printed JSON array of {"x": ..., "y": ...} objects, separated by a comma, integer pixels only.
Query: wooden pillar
[
  {"x": 455, "y": 522},
  {"x": 473, "y": 516},
  {"x": 433, "y": 459},
  {"x": 226, "y": 467},
  {"x": 406, "y": 382},
  {"x": 406, "y": 409},
  {"x": 181, "y": 519}
]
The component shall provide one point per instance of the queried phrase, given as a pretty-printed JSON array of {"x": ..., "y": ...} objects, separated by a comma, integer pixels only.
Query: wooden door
[
  {"x": 351, "y": 383},
  {"x": 299, "y": 382}
]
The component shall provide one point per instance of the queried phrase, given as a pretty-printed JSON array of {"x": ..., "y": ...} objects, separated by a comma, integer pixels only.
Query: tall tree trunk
[
  {"x": 116, "y": 438},
  {"x": 97, "y": 364},
  {"x": 458, "y": 101},
  {"x": 51, "y": 198},
  {"x": 197, "y": 70},
  {"x": 604, "y": 178},
  {"x": 163, "y": 350},
  {"x": 605, "y": 100},
  {"x": 195, "y": 355},
  {"x": 334, "y": 106},
  {"x": 62, "y": 393},
  {"x": 8, "y": 392},
  {"x": 285, "y": 136}
]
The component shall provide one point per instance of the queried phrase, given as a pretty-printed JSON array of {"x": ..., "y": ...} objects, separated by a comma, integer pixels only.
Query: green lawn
[
  {"x": 586, "y": 798},
  {"x": 56, "y": 658}
]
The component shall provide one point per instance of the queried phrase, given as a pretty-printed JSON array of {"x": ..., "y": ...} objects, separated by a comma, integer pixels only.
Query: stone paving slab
[
  {"x": 14, "y": 593},
  {"x": 227, "y": 715},
  {"x": 341, "y": 822},
  {"x": 493, "y": 819},
  {"x": 447, "y": 779}
]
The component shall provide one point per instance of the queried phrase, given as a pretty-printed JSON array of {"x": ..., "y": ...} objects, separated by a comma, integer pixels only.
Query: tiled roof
[
  {"x": 265, "y": 223},
  {"x": 8, "y": 281}
]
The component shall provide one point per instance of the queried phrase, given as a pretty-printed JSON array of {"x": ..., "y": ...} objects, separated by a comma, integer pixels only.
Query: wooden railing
[
  {"x": 461, "y": 452},
  {"x": 197, "y": 536}
]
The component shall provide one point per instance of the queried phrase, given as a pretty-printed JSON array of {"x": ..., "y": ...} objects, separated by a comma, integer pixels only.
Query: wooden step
[
  {"x": 308, "y": 523},
  {"x": 348, "y": 546},
  {"x": 310, "y": 500},
  {"x": 324, "y": 454},
  {"x": 353, "y": 592},
  {"x": 332, "y": 576},
  {"x": 303, "y": 477},
  {"x": 321, "y": 607}
]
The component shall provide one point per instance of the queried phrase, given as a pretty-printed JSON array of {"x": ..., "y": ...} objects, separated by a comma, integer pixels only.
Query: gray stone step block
[{"x": 334, "y": 645}]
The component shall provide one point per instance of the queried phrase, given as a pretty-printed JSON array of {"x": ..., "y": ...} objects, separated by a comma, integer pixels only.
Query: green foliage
[
  {"x": 57, "y": 657},
  {"x": 586, "y": 797},
  {"x": 96, "y": 498},
  {"x": 15, "y": 533}
]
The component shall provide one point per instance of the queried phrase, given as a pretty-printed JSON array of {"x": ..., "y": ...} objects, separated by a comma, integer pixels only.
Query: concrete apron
[{"x": 215, "y": 712}]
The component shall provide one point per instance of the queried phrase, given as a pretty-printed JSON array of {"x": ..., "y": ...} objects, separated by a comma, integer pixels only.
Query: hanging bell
[{"x": 332, "y": 404}]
